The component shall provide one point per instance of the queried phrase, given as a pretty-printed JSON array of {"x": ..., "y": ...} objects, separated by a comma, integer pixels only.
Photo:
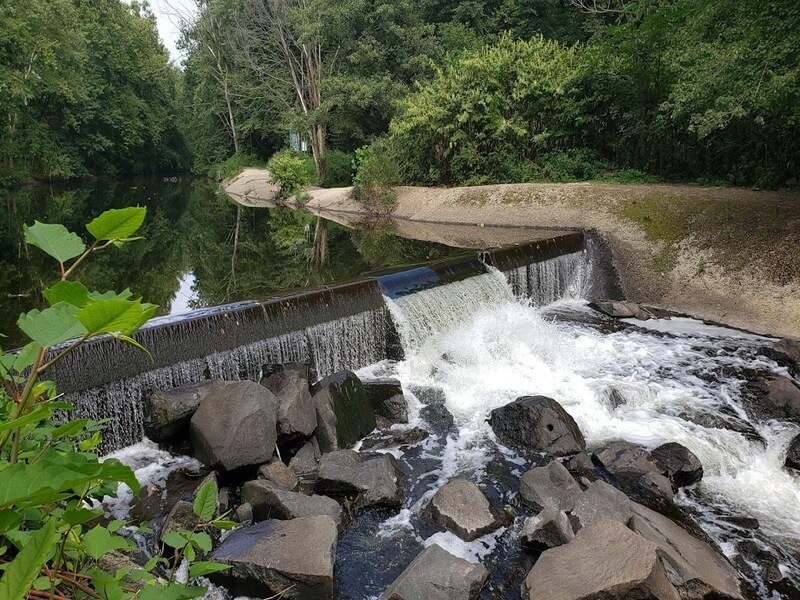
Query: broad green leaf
[
  {"x": 54, "y": 239},
  {"x": 117, "y": 223},
  {"x": 205, "y": 568},
  {"x": 205, "y": 503},
  {"x": 26, "y": 357},
  {"x": 111, "y": 295},
  {"x": 223, "y": 524},
  {"x": 41, "y": 583},
  {"x": 53, "y": 325},
  {"x": 38, "y": 414},
  {"x": 98, "y": 541},
  {"x": 174, "y": 539},
  {"x": 119, "y": 317},
  {"x": 201, "y": 540},
  {"x": 121, "y": 242},
  {"x": 189, "y": 553},
  {"x": 24, "y": 569},
  {"x": 9, "y": 519},
  {"x": 71, "y": 292},
  {"x": 173, "y": 591},
  {"x": 69, "y": 429},
  {"x": 79, "y": 516},
  {"x": 115, "y": 525}
]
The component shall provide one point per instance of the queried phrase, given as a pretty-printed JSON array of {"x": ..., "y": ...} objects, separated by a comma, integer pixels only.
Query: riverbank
[{"x": 726, "y": 254}]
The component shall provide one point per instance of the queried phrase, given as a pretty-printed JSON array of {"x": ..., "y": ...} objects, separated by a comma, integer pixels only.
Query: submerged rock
[
  {"x": 297, "y": 415},
  {"x": 537, "y": 424},
  {"x": 438, "y": 575},
  {"x": 793, "y": 454},
  {"x": 549, "y": 487},
  {"x": 605, "y": 561},
  {"x": 548, "y": 529},
  {"x": 167, "y": 413},
  {"x": 344, "y": 414},
  {"x": 462, "y": 507},
  {"x": 679, "y": 463},
  {"x": 268, "y": 501},
  {"x": 386, "y": 397},
  {"x": 235, "y": 425},
  {"x": 377, "y": 481},
  {"x": 293, "y": 559},
  {"x": 622, "y": 309}
]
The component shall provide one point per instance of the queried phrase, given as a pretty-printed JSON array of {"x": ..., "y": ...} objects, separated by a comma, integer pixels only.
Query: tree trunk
[
  {"x": 319, "y": 249},
  {"x": 316, "y": 135}
]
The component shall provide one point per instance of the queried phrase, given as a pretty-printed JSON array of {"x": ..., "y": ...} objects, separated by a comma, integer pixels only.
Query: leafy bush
[
  {"x": 232, "y": 166},
  {"x": 289, "y": 171},
  {"x": 339, "y": 169},
  {"x": 52, "y": 481},
  {"x": 576, "y": 164},
  {"x": 375, "y": 175}
]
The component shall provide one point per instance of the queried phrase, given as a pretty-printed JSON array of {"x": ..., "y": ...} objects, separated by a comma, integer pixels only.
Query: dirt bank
[{"x": 727, "y": 254}]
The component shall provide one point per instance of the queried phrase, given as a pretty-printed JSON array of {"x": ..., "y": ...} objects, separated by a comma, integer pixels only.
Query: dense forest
[{"x": 450, "y": 92}]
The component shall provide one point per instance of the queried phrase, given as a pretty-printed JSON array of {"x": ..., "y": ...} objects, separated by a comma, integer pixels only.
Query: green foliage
[
  {"x": 49, "y": 470},
  {"x": 232, "y": 166},
  {"x": 338, "y": 170},
  {"x": 289, "y": 171},
  {"x": 375, "y": 175}
]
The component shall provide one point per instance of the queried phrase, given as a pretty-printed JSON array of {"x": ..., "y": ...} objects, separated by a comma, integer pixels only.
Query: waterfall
[{"x": 558, "y": 278}]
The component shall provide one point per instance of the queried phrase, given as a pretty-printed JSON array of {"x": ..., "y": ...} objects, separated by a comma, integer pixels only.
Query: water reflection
[{"x": 187, "y": 258}]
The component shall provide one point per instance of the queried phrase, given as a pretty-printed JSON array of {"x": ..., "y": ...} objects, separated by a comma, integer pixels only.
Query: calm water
[{"x": 185, "y": 260}]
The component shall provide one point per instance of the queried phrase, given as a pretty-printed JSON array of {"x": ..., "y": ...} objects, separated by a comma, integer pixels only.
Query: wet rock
[
  {"x": 793, "y": 453},
  {"x": 297, "y": 415},
  {"x": 437, "y": 416},
  {"x": 428, "y": 394},
  {"x": 292, "y": 558},
  {"x": 438, "y": 575},
  {"x": 784, "y": 352},
  {"x": 167, "y": 413},
  {"x": 622, "y": 309},
  {"x": 550, "y": 486},
  {"x": 776, "y": 398},
  {"x": 235, "y": 425},
  {"x": 306, "y": 462},
  {"x": 180, "y": 518},
  {"x": 271, "y": 502},
  {"x": 581, "y": 466},
  {"x": 635, "y": 469},
  {"x": 537, "y": 424},
  {"x": 392, "y": 438},
  {"x": 678, "y": 463},
  {"x": 344, "y": 414},
  {"x": 377, "y": 481},
  {"x": 605, "y": 561},
  {"x": 386, "y": 397},
  {"x": 278, "y": 473},
  {"x": 548, "y": 529},
  {"x": 461, "y": 507}
]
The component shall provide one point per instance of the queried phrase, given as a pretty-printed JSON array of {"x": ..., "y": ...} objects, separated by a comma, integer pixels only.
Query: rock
[
  {"x": 581, "y": 466},
  {"x": 693, "y": 566},
  {"x": 679, "y": 464},
  {"x": 635, "y": 469},
  {"x": 180, "y": 518},
  {"x": 773, "y": 398},
  {"x": 548, "y": 529},
  {"x": 244, "y": 513},
  {"x": 386, "y": 397},
  {"x": 437, "y": 416},
  {"x": 438, "y": 575},
  {"x": 793, "y": 454},
  {"x": 784, "y": 352},
  {"x": 462, "y": 507},
  {"x": 306, "y": 462},
  {"x": 622, "y": 309},
  {"x": 344, "y": 414},
  {"x": 224, "y": 499},
  {"x": 537, "y": 424},
  {"x": 272, "y": 502},
  {"x": 235, "y": 425},
  {"x": 167, "y": 413},
  {"x": 428, "y": 394},
  {"x": 550, "y": 486},
  {"x": 392, "y": 438},
  {"x": 377, "y": 481},
  {"x": 605, "y": 561},
  {"x": 297, "y": 415},
  {"x": 292, "y": 558},
  {"x": 279, "y": 474}
]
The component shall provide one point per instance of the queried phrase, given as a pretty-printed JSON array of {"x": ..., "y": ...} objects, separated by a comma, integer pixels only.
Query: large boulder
[
  {"x": 462, "y": 507},
  {"x": 167, "y": 413},
  {"x": 293, "y": 559},
  {"x": 386, "y": 397},
  {"x": 377, "y": 481},
  {"x": 605, "y": 561},
  {"x": 532, "y": 424},
  {"x": 775, "y": 398},
  {"x": 271, "y": 502},
  {"x": 793, "y": 453},
  {"x": 678, "y": 463},
  {"x": 548, "y": 529},
  {"x": 622, "y": 309},
  {"x": 438, "y": 575},
  {"x": 235, "y": 425},
  {"x": 635, "y": 470},
  {"x": 693, "y": 566},
  {"x": 297, "y": 415},
  {"x": 784, "y": 352},
  {"x": 550, "y": 486},
  {"x": 344, "y": 413},
  {"x": 437, "y": 416}
]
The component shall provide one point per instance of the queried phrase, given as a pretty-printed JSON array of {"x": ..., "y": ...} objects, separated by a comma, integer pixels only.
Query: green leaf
[
  {"x": 189, "y": 553},
  {"x": 71, "y": 292},
  {"x": 173, "y": 591},
  {"x": 132, "y": 342},
  {"x": 24, "y": 569},
  {"x": 111, "y": 295},
  {"x": 38, "y": 414},
  {"x": 174, "y": 539},
  {"x": 119, "y": 317},
  {"x": 201, "y": 540},
  {"x": 206, "y": 567},
  {"x": 79, "y": 516},
  {"x": 99, "y": 541},
  {"x": 117, "y": 223},
  {"x": 223, "y": 524},
  {"x": 55, "y": 240},
  {"x": 9, "y": 519},
  {"x": 69, "y": 429},
  {"x": 53, "y": 325},
  {"x": 26, "y": 357},
  {"x": 205, "y": 503}
]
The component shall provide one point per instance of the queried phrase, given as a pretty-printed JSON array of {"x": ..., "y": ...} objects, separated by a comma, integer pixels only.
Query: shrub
[
  {"x": 338, "y": 169},
  {"x": 375, "y": 175},
  {"x": 576, "y": 164},
  {"x": 232, "y": 166},
  {"x": 289, "y": 171}
]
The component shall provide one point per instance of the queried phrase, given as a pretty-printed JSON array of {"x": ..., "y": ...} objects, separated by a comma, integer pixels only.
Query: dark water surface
[{"x": 185, "y": 260}]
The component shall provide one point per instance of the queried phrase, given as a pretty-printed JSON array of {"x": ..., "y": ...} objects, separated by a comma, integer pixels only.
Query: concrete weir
[{"x": 336, "y": 327}]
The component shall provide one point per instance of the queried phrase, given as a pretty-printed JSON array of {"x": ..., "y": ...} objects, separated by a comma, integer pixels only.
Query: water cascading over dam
[{"x": 338, "y": 327}]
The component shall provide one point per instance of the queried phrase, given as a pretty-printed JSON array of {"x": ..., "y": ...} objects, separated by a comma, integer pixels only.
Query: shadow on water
[{"x": 186, "y": 260}]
